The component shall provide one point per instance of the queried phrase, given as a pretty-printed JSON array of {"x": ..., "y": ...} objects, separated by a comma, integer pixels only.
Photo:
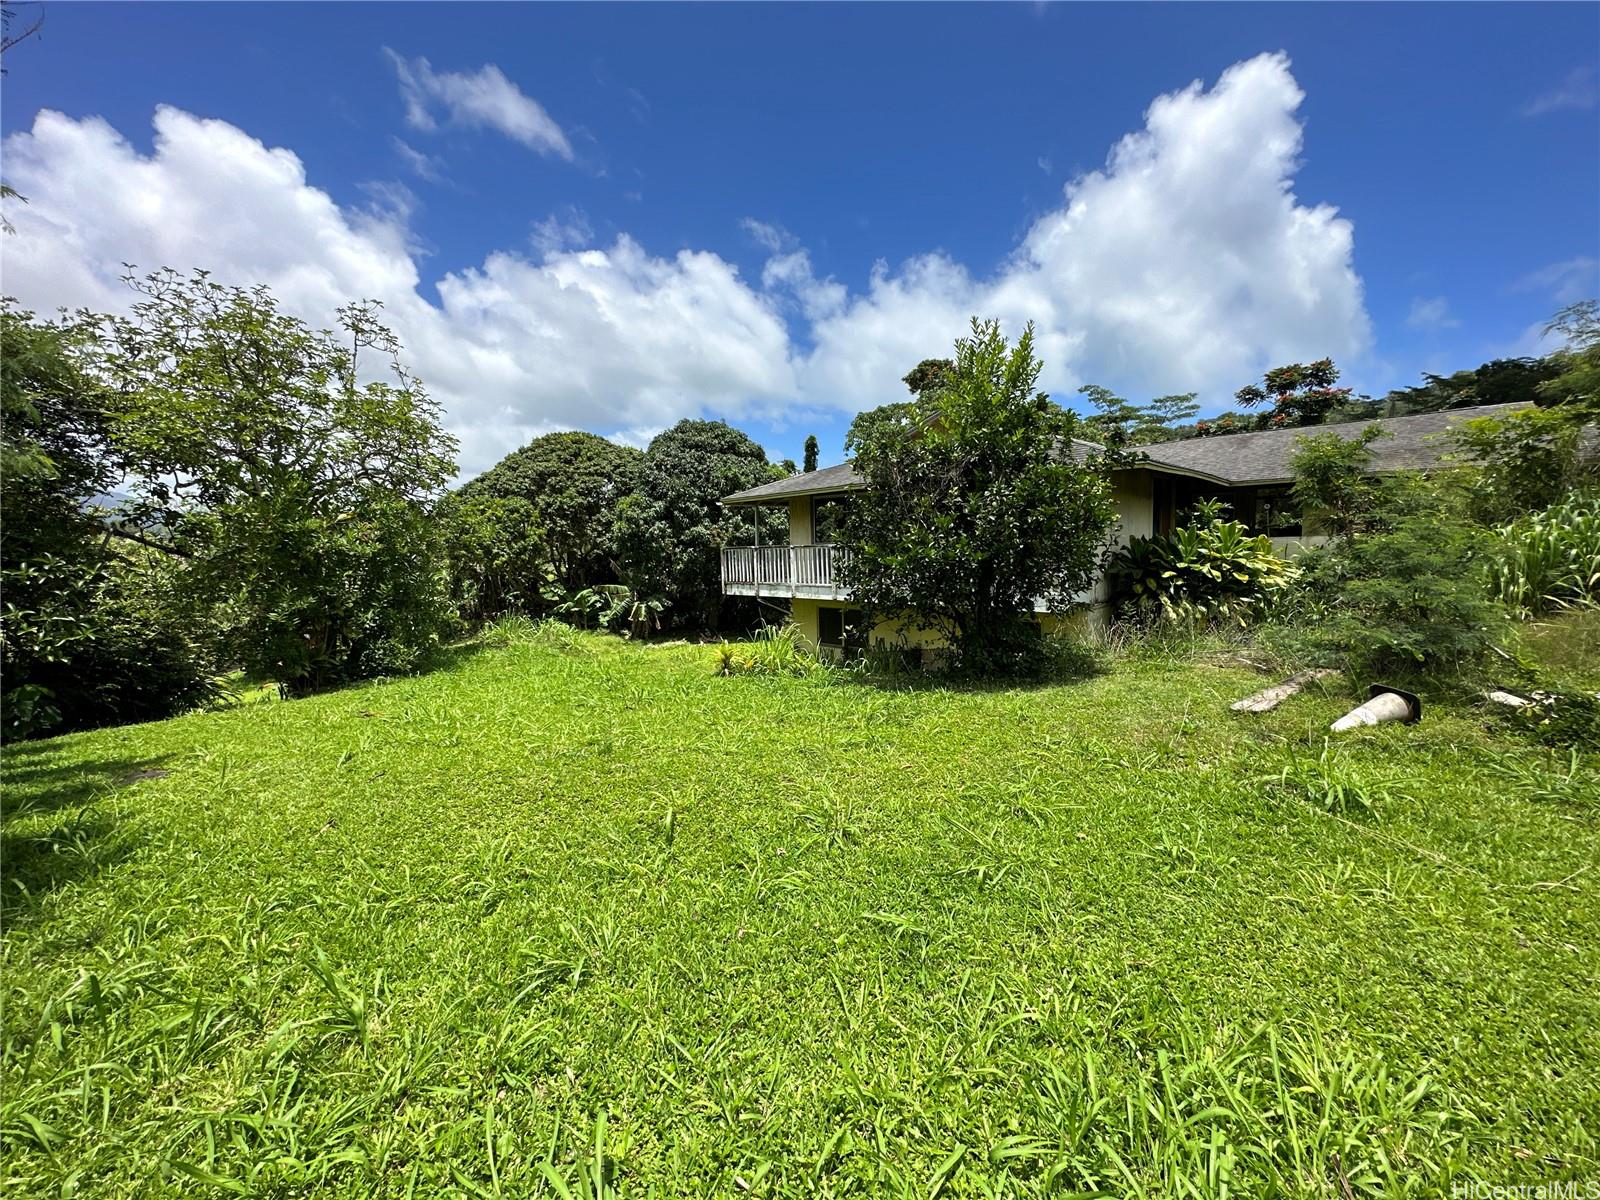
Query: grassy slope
[{"x": 442, "y": 935}]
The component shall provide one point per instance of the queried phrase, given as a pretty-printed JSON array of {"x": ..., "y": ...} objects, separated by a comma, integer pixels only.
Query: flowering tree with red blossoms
[{"x": 1300, "y": 394}]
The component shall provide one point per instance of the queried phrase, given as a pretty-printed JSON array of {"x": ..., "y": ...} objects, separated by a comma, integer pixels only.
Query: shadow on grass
[
  {"x": 40, "y": 854},
  {"x": 935, "y": 681}
]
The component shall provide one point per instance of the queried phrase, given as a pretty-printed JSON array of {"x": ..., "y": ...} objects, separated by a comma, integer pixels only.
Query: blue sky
[{"x": 613, "y": 216}]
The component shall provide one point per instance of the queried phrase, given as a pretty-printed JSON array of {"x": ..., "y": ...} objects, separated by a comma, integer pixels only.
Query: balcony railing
[{"x": 805, "y": 571}]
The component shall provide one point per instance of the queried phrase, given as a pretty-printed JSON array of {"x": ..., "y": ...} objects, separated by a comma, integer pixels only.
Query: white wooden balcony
[{"x": 808, "y": 572}]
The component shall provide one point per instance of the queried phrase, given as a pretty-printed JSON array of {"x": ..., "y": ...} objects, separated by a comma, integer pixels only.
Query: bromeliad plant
[{"x": 1213, "y": 569}]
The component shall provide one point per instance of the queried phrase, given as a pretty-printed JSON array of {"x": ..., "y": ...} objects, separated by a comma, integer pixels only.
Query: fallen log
[{"x": 1268, "y": 699}]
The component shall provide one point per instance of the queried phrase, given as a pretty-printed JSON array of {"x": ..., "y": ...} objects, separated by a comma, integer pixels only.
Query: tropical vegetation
[
  {"x": 577, "y": 916},
  {"x": 973, "y": 512}
]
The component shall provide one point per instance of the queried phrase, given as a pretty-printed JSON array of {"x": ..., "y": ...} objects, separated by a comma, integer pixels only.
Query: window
[
  {"x": 835, "y": 625},
  {"x": 1276, "y": 513},
  {"x": 827, "y": 514}
]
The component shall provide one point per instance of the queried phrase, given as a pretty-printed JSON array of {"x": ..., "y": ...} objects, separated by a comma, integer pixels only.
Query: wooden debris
[
  {"x": 1506, "y": 698},
  {"x": 1269, "y": 698}
]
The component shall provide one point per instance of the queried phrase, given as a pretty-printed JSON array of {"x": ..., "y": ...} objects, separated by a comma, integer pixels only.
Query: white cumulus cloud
[
  {"x": 484, "y": 98},
  {"x": 611, "y": 339},
  {"x": 1185, "y": 263}
]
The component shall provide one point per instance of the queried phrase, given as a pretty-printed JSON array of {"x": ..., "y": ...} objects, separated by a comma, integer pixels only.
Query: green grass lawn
[{"x": 558, "y": 922}]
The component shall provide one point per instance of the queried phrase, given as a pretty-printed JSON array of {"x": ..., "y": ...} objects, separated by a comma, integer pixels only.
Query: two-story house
[{"x": 1248, "y": 470}]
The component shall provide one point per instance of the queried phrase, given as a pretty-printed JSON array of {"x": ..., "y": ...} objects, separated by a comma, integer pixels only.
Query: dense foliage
[
  {"x": 1298, "y": 394},
  {"x": 1548, "y": 560},
  {"x": 976, "y": 507},
  {"x": 671, "y": 530},
  {"x": 866, "y": 424},
  {"x": 1526, "y": 460},
  {"x": 1502, "y": 381},
  {"x": 495, "y": 549},
  {"x": 296, "y": 492},
  {"x": 1407, "y": 599},
  {"x": 574, "y": 483},
  {"x": 1401, "y": 589},
  {"x": 1117, "y": 422},
  {"x": 92, "y": 635},
  {"x": 1334, "y": 486},
  {"x": 1207, "y": 570}
]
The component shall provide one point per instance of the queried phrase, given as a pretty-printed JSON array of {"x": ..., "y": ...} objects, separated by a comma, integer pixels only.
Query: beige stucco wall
[
  {"x": 1133, "y": 495},
  {"x": 1133, "y": 492},
  {"x": 800, "y": 521},
  {"x": 804, "y": 615}
]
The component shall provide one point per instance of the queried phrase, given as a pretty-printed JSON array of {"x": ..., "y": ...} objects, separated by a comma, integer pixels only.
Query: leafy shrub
[
  {"x": 1525, "y": 461},
  {"x": 613, "y": 606},
  {"x": 1409, "y": 600},
  {"x": 1548, "y": 560},
  {"x": 775, "y": 650},
  {"x": 101, "y": 650},
  {"x": 1004, "y": 648},
  {"x": 1210, "y": 570},
  {"x": 1564, "y": 719},
  {"x": 1333, "y": 479}
]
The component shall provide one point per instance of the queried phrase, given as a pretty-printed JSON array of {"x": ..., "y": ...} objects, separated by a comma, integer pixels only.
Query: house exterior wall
[
  {"x": 1139, "y": 498},
  {"x": 800, "y": 521},
  {"x": 1133, "y": 492}
]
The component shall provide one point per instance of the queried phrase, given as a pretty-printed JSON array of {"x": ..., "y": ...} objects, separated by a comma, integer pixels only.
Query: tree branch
[{"x": 144, "y": 540}]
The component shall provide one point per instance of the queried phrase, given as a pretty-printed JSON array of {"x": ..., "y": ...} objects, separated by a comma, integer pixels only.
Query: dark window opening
[
  {"x": 827, "y": 518},
  {"x": 838, "y": 627},
  {"x": 1268, "y": 510},
  {"x": 1276, "y": 513}
]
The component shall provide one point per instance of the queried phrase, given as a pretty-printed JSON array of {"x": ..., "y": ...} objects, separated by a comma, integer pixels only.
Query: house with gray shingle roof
[{"x": 1250, "y": 471}]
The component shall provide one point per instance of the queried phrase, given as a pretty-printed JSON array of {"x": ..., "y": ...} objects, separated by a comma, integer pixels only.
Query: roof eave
[{"x": 749, "y": 500}]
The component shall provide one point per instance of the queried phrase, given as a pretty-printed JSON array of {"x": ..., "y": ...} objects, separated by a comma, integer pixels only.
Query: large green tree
[
  {"x": 575, "y": 482},
  {"x": 1502, "y": 381},
  {"x": 496, "y": 551},
  {"x": 1576, "y": 378},
  {"x": 1118, "y": 423},
  {"x": 976, "y": 506},
  {"x": 866, "y": 423},
  {"x": 1532, "y": 458},
  {"x": 90, "y": 636},
  {"x": 291, "y": 476},
  {"x": 671, "y": 531},
  {"x": 1298, "y": 394}
]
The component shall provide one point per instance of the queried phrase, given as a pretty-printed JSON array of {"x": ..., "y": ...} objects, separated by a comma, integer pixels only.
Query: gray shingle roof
[
  {"x": 1232, "y": 459},
  {"x": 1244, "y": 458},
  {"x": 803, "y": 483}
]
